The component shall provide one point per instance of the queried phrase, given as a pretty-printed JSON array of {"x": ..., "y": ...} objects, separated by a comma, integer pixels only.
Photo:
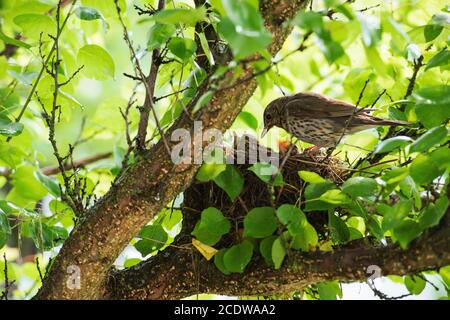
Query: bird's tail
[
  {"x": 375, "y": 121},
  {"x": 384, "y": 122}
]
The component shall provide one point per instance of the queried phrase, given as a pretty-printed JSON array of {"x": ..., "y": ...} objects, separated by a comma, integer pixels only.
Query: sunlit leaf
[{"x": 97, "y": 62}]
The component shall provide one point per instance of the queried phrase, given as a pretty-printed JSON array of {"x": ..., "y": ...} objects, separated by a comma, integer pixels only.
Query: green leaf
[
  {"x": 313, "y": 193},
  {"x": 288, "y": 213},
  {"x": 329, "y": 290},
  {"x": 429, "y": 139},
  {"x": 218, "y": 261},
  {"x": 203, "y": 100},
  {"x": 131, "y": 262},
  {"x": 5, "y": 228},
  {"x": 188, "y": 17},
  {"x": 238, "y": 256},
  {"x": 338, "y": 229},
  {"x": 46, "y": 237},
  {"x": 441, "y": 157},
  {"x": 209, "y": 171},
  {"x": 360, "y": 187},
  {"x": 231, "y": 181},
  {"x": 265, "y": 247},
  {"x": 357, "y": 223},
  {"x": 410, "y": 190},
  {"x": 370, "y": 29},
  {"x": 154, "y": 237},
  {"x": 309, "y": 20},
  {"x": 248, "y": 119},
  {"x": 243, "y": 28},
  {"x": 278, "y": 252},
  {"x": 444, "y": 272},
  {"x": 442, "y": 58},
  {"x": 260, "y": 222},
  {"x": 311, "y": 177},
  {"x": 373, "y": 57},
  {"x": 331, "y": 49},
  {"x": 432, "y": 31},
  {"x": 26, "y": 185},
  {"x": 88, "y": 14},
  {"x": 433, "y": 213},
  {"x": 11, "y": 129},
  {"x": 266, "y": 171},
  {"x": 211, "y": 227},
  {"x": 25, "y": 78},
  {"x": 183, "y": 48},
  {"x": 392, "y": 144},
  {"x": 394, "y": 215},
  {"x": 407, "y": 231},
  {"x": 171, "y": 218},
  {"x": 97, "y": 62},
  {"x": 159, "y": 34},
  {"x": 217, "y": 5},
  {"x": 424, "y": 169},
  {"x": 107, "y": 8},
  {"x": 395, "y": 176},
  {"x": 375, "y": 228},
  {"x": 432, "y": 105},
  {"x": 34, "y": 24},
  {"x": 305, "y": 238},
  {"x": 335, "y": 196},
  {"x": 13, "y": 41},
  {"x": 49, "y": 183}
]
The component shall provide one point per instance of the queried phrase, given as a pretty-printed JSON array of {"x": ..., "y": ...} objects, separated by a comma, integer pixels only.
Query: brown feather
[{"x": 314, "y": 105}]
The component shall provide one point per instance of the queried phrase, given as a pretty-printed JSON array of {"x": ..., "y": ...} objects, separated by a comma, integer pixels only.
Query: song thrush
[{"x": 319, "y": 120}]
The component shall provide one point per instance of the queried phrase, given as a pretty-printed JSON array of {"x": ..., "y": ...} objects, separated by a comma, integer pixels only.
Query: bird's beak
[{"x": 263, "y": 133}]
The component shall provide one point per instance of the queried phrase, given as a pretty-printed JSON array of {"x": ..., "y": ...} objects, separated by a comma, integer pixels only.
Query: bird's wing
[{"x": 314, "y": 105}]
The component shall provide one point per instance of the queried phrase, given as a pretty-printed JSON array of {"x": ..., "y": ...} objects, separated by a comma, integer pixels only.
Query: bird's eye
[{"x": 268, "y": 117}]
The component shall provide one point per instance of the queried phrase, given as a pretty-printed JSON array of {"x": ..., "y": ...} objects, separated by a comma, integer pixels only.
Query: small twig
[
  {"x": 71, "y": 77},
  {"x": 171, "y": 94},
  {"x": 7, "y": 282},
  {"x": 382, "y": 295},
  {"x": 39, "y": 270},
  {"x": 412, "y": 82},
  {"x": 76, "y": 164},
  {"x": 43, "y": 68},
  {"x": 149, "y": 83},
  {"x": 349, "y": 120},
  {"x": 428, "y": 281},
  {"x": 253, "y": 75}
]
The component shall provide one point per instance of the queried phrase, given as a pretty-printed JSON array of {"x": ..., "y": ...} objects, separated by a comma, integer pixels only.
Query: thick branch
[
  {"x": 148, "y": 103},
  {"x": 148, "y": 185},
  {"x": 176, "y": 274}
]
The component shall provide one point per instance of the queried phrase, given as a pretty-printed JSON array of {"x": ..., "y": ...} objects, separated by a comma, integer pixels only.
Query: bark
[
  {"x": 148, "y": 185},
  {"x": 175, "y": 273}
]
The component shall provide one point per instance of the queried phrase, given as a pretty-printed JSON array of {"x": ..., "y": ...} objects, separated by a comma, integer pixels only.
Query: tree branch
[
  {"x": 149, "y": 184},
  {"x": 52, "y": 170},
  {"x": 173, "y": 274}
]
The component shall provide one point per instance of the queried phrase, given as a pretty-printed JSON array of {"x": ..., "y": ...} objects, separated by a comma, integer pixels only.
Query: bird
[{"x": 319, "y": 120}]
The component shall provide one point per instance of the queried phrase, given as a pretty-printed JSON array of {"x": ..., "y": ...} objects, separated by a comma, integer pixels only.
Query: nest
[{"x": 256, "y": 193}]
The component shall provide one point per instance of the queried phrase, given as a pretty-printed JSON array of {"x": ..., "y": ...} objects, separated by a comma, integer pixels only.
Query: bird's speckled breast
[{"x": 319, "y": 132}]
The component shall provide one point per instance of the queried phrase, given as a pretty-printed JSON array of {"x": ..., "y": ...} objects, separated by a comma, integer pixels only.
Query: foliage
[{"x": 341, "y": 49}]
